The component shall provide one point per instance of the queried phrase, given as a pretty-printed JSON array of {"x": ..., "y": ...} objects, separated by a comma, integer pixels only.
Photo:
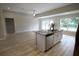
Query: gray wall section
[{"x": 1, "y": 25}]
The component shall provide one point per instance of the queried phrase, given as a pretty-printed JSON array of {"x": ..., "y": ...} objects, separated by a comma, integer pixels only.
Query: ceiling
[{"x": 29, "y": 8}]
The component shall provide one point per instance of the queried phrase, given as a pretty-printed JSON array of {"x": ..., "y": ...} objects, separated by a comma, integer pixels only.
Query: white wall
[
  {"x": 0, "y": 26},
  {"x": 55, "y": 19},
  {"x": 2, "y": 34},
  {"x": 23, "y": 22}
]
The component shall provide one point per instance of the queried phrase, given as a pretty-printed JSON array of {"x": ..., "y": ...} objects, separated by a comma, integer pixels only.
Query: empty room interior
[{"x": 38, "y": 29}]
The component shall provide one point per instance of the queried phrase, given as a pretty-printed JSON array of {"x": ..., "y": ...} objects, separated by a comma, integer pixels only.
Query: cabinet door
[
  {"x": 56, "y": 38},
  {"x": 49, "y": 41},
  {"x": 60, "y": 35},
  {"x": 40, "y": 42}
]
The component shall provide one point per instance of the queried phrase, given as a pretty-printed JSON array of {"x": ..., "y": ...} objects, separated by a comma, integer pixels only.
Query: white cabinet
[
  {"x": 57, "y": 37},
  {"x": 49, "y": 41},
  {"x": 60, "y": 35},
  {"x": 40, "y": 42},
  {"x": 44, "y": 42}
]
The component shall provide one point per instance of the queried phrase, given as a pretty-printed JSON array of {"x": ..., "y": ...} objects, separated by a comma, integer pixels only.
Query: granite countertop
[{"x": 46, "y": 33}]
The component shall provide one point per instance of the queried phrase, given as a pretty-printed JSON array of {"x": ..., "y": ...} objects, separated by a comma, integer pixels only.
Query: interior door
[{"x": 10, "y": 27}]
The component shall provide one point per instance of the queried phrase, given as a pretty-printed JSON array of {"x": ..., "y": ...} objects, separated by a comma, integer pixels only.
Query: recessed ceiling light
[{"x": 8, "y": 8}]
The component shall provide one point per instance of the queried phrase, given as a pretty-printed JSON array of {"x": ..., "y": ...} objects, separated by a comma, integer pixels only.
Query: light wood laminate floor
[{"x": 23, "y": 44}]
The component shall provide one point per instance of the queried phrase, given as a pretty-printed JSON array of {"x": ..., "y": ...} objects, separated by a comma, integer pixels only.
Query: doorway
[{"x": 10, "y": 27}]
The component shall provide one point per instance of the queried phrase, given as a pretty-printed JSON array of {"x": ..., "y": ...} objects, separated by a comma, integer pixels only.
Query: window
[
  {"x": 45, "y": 24},
  {"x": 69, "y": 24}
]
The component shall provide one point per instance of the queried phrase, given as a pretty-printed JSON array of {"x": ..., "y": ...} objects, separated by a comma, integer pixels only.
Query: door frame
[{"x": 5, "y": 25}]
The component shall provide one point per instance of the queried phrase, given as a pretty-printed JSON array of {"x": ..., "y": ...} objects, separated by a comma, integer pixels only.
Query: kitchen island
[{"x": 47, "y": 39}]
